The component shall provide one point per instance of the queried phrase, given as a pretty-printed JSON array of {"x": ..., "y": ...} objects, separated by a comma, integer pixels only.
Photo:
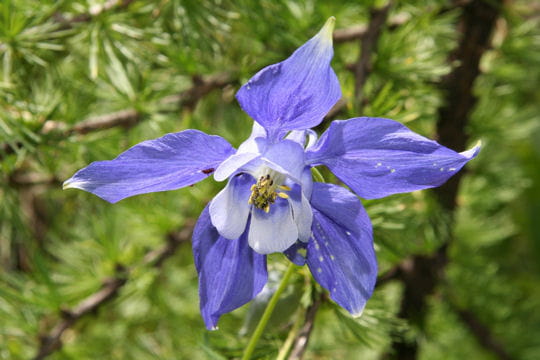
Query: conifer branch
[{"x": 52, "y": 340}]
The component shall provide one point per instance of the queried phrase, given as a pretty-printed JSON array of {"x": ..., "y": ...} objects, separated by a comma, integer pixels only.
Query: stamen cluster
[{"x": 263, "y": 193}]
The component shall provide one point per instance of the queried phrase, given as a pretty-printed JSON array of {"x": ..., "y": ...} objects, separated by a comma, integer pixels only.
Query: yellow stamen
[
  {"x": 263, "y": 193},
  {"x": 283, "y": 195}
]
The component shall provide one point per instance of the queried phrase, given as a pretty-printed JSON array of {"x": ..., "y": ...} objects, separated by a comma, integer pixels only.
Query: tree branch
[
  {"x": 124, "y": 118},
  {"x": 52, "y": 340},
  {"x": 423, "y": 273},
  {"x": 128, "y": 118},
  {"x": 302, "y": 339},
  {"x": 481, "y": 332},
  {"x": 94, "y": 11},
  {"x": 368, "y": 45},
  {"x": 202, "y": 86},
  {"x": 357, "y": 32},
  {"x": 368, "y": 36}
]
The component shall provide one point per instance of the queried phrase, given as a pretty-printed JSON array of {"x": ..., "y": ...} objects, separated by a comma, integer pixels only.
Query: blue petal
[
  {"x": 297, "y": 253},
  {"x": 168, "y": 163},
  {"x": 296, "y": 93},
  {"x": 272, "y": 232},
  {"x": 229, "y": 210},
  {"x": 379, "y": 157},
  {"x": 340, "y": 253},
  {"x": 230, "y": 272}
]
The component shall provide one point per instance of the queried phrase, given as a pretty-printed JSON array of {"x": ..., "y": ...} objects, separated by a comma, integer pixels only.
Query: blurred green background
[{"x": 83, "y": 80}]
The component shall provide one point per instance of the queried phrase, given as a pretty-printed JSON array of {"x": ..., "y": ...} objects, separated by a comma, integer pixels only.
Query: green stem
[
  {"x": 267, "y": 313},
  {"x": 317, "y": 175}
]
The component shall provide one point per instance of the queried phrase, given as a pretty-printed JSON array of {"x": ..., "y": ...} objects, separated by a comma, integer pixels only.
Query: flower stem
[
  {"x": 267, "y": 313},
  {"x": 317, "y": 175}
]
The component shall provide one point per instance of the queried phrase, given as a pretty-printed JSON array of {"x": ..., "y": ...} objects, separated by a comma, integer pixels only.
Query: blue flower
[{"x": 270, "y": 203}]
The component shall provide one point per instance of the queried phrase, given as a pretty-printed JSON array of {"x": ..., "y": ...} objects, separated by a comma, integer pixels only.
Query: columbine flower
[{"x": 270, "y": 203}]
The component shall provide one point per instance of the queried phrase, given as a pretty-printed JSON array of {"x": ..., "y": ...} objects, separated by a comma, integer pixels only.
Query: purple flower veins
[{"x": 270, "y": 203}]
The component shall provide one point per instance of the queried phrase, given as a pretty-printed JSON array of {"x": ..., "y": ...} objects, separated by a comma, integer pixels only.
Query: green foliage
[{"x": 66, "y": 61}]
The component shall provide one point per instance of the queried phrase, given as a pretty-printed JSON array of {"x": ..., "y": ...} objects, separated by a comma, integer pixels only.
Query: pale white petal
[
  {"x": 272, "y": 232},
  {"x": 229, "y": 210},
  {"x": 302, "y": 213},
  {"x": 233, "y": 164}
]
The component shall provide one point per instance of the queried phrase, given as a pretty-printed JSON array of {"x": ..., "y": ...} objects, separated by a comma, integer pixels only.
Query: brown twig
[
  {"x": 127, "y": 118},
  {"x": 202, "y": 86},
  {"x": 302, "y": 339},
  {"x": 368, "y": 45},
  {"x": 124, "y": 118},
  {"x": 94, "y": 11},
  {"x": 52, "y": 340},
  {"x": 480, "y": 331},
  {"x": 354, "y": 33},
  {"x": 336, "y": 109},
  {"x": 368, "y": 36},
  {"x": 393, "y": 274},
  {"x": 157, "y": 257}
]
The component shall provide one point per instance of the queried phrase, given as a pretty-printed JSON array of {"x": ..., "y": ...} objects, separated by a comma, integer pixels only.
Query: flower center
[{"x": 263, "y": 192}]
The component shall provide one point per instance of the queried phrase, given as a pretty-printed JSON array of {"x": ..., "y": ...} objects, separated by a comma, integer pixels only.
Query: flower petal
[
  {"x": 302, "y": 213},
  {"x": 307, "y": 182},
  {"x": 272, "y": 232},
  {"x": 378, "y": 157},
  {"x": 297, "y": 253},
  {"x": 300, "y": 137},
  {"x": 230, "y": 272},
  {"x": 296, "y": 93},
  {"x": 168, "y": 163},
  {"x": 256, "y": 142},
  {"x": 340, "y": 254},
  {"x": 229, "y": 210},
  {"x": 286, "y": 157},
  {"x": 233, "y": 164},
  {"x": 248, "y": 151}
]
